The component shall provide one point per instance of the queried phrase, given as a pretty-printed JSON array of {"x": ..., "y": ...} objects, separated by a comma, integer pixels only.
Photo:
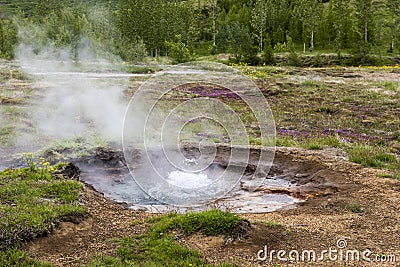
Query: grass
[
  {"x": 7, "y": 134},
  {"x": 15, "y": 257},
  {"x": 271, "y": 224},
  {"x": 355, "y": 208},
  {"x": 33, "y": 201},
  {"x": 320, "y": 143},
  {"x": 392, "y": 86},
  {"x": 134, "y": 69},
  {"x": 213, "y": 222},
  {"x": 309, "y": 83},
  {"x": 360, "y": 117},
  {"x": 372, "y": 156},
  {"x": 73, "y": 147},
  {"x": 158, "y": 247},
  {"x": 286, "y": 142}
]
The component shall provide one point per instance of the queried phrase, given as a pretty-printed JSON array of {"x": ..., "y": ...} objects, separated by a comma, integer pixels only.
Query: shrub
[
  {"x": 293, "y": 59},
  {"x": 316, "y": 61},
  {"x": 8, "y": 38},
  {"x": 178, "y": 50},
  {"x": 133, "y": 50},
  {"x": 268, "y": 56}
]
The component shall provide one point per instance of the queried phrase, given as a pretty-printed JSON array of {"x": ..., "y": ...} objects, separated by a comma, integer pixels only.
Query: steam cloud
[{"x": 72, "y": 102}]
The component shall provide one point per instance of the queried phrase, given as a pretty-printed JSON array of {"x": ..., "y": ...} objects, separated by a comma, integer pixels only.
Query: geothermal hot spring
[{"x": 74, "y": 105}]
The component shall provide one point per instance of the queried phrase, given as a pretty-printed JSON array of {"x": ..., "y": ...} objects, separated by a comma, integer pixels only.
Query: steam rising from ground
[{"x": 71, "y": 103}]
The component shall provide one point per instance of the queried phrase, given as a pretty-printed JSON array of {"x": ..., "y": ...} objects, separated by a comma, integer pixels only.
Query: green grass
[
  {"x": 392, "y": 86},
  {"x": 320, "y": 143},
  {"x": 355, "y": 208},
  {"x": 7, "y": 134},
  {"x": 158, "y": 247},
  {"x": 272, "y": 224},
  {"x": 372, "y": 156},
  {"x": 15, "y": 257},
  {"x": 286, "y": 142},
  {"x": 315, "y": 146},
  {"x": 141, "y": 69},
  {"x": 213, "y": 222},
  {"x": 33, "y": 201},
  {"x": 359, "y": 117},
  {"x": 73, "y": 147},
  {"x": 309, "y": 83}
]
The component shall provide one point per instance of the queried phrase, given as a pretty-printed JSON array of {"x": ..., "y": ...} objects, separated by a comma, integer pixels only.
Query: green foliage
[
  {"x": 32, "y": 201},
  {"x": 133, "y": 29},
  {"x": 268, "y": 57},
  {"x": 272, "y": 224},
  {"x": 316, "y": 62},
  {"x": 308, "y": 13},
  {"x": 355, "y": 208},
  {"x": 339, "y": 20},
  {"x": 293, "y": 59},
  {"x": 370, "y": 156},
  {"x": 15, "y": 257},
  {"x": 132, "y": 51},
  {"x": 156, "y": 22},
  {"x": 281, "y": 47},
  {"x": 363, "y": 25},
  {"x": 315, "y": 146},
  {"x": 159, "y": 248},
  {"x": 178, "y": 50},
  {"x": 259, "y": 17},
  {"x": 286, "y": 142},
  {"x": 8, "y": 38},
  {"x": 212, "y": 222},
  {"x": 240, "y": 44}
]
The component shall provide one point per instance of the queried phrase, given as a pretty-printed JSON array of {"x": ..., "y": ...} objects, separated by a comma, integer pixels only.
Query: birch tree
[
  {"x": 309, "y": 13},
  {"x": 340, "y": 14},
  {"x": 259, "y": 20},
  {"x": 394, "y": 9},
  {"x": 363, "y": 17}
]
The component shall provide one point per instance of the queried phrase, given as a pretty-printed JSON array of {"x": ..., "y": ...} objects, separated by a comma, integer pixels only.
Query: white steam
[{"x": 71, "y": 103}]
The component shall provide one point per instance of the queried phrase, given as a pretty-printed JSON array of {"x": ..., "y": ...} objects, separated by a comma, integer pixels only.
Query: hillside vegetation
[{"x": 251, "y": 31}]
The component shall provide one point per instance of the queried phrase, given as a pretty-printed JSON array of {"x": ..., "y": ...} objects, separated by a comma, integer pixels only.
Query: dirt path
[{"x": 365, "y": 215}]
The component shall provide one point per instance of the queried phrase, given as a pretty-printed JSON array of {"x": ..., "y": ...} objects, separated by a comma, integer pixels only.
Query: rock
[
  {"x": 70, "y": 171},
  {"x": 241, "y": 230}
]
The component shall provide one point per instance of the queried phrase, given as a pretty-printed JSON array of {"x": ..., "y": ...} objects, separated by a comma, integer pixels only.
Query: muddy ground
[{"x": 359, "y": 207}]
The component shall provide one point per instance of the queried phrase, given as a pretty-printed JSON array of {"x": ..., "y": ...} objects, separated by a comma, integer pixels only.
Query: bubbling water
[{"x": 188, "y": 180}]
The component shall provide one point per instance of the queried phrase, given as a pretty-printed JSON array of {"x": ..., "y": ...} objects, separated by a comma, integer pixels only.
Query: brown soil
[
  {"x": 76, "y": 243},
  {"x": 359, "y": 207}
]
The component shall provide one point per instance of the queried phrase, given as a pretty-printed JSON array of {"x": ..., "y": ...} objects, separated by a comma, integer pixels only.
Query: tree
[
  {"x": 280, "y": 21},
  {"x": 44, "y": 7},
  {"x": 259, "y": 20},
  {"x": 214, "y": 20},
  {"x": 308, "y": 12},
  {"x": 363, "y": 17},
  {"x": 393, "y": 8},
  {"x": 268, "y": 57},
  {"x": 178, "y": 50},
  {"x": 155, "y": 22},
  {"x": 340, "y": 13},
  {"x": 241, "y": 44},
  {"x": 8, "y": 38}
]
